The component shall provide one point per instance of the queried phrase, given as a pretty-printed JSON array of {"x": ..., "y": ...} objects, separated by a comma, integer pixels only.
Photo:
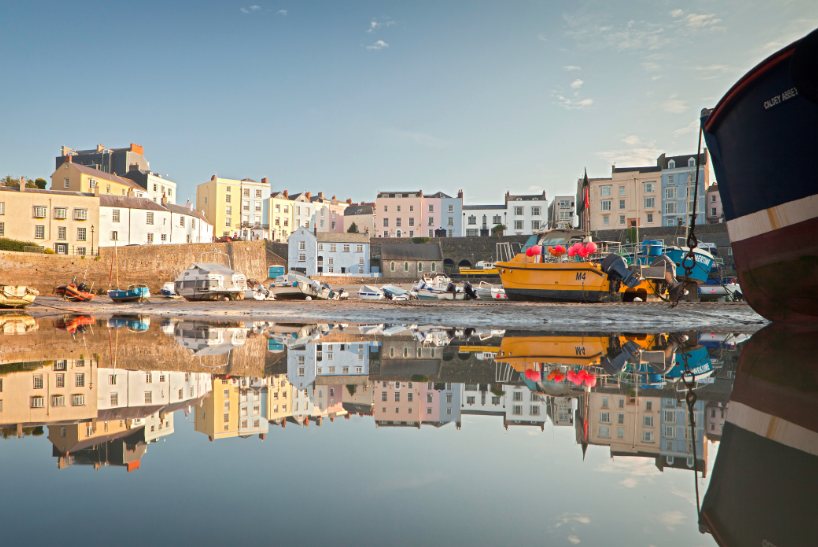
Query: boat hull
[
  {"x": 16, "y": 296},
  {"x": 762, "y": 138},
  {"x": 72, "y": 293},
  {"x": 137, "y": 294},
  {"x": 557, "y": 282}
]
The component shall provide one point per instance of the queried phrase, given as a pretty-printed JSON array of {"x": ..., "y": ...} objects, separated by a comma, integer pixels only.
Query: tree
[
  {"x": 353, "y": 229},
  {"x": 40, "y": 183},
  {"x": 498, "y": 230},
  {"x": 12, "y": 182}
]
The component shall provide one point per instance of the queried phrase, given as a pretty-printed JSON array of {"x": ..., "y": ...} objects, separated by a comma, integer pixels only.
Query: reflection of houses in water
[
  {"x": 676, "y": 444},
  {"x": 235, "y": 407},
  {"x": 98, "y": 444},
  {"x": 279, "y": 399},
  {"x": 119, "y": 388},
  {"x": 715, "y": 414},
  {"x": 517, "y": 404},
  {"x": 561, "y": 410},
  {"x": 46, "y": 392},
  {"x": 338, "y": 360},
  {"x": 359, "y": 398},
  {"x": 411, "y": 404}
]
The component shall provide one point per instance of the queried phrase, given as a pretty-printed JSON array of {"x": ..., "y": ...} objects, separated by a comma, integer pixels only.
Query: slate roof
[
  {"x": 182, "y": 210},
  {"x": 51, "y": 192},
  {"x": 410, "y": 251},
  {"x": 439, "y": 195},
  {"x": 341, "y": 237},
  {"x": 358, "y": 210},
  {"x": 681, "y": 161},
  {"x": 646, "y": 169},
  {"x": 479, "y": 207},
  {"x": 128, "y": 202},
  {"x": 90, "y": 171}
]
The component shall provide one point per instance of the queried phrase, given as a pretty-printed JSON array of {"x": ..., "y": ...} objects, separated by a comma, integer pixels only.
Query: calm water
[{"x": 137, "y": 431}]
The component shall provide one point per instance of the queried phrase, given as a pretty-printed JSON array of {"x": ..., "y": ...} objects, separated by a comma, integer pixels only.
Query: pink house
[
  {"x": 714, "y": 212},
  {"x": 412, "y": 214}
]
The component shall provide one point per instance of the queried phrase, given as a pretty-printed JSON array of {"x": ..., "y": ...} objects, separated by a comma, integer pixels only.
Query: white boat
[
  {"x": 261, "y": 293},
  {"x": 392, "y": 292},
  {"x": 211, "y": 281},
  {"x": 367, "y": 292},
  {"x": 487, "y": 291},
  {"x": 438, "y": 282}
]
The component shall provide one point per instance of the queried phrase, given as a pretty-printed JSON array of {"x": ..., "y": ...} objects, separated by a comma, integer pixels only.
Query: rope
[{"x": 689, "y": 381}]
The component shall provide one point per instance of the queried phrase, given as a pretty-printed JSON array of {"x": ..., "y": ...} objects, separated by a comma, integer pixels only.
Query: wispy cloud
[
  {"x": 798, "y": 28},
  {"x": 380, "y": 44},
  {"x": 574, "y": 539},
  {"x": 375, "y": 24},
  {"x": 633, "y": 36},
  {"x": 576, "y": 84},
  {"x": 282, "y": 12},
  {"x": 697, "y": 21},
  {"x": 542, "y": 37},
  {"x": 692, "y": 127},
  {"x": 419, "y": 138},
  {"x": 567, "y": 518},
  {"x": 636, "y": 152},
  {"x": 671, "y": 519},
  {"x": 251, "y": 9},
  {"x": 674, "y": 105},
  {"x": 571, "y": 68},
  {"x": 574, "y": 104}
]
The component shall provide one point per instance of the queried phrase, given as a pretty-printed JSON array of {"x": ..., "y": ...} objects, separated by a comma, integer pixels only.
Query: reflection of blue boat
[
  {"x": 649, "y": 250},
  {"x": 697, "y": 359},
  {"x": 134, "y": 293},
  {"x": 648, "y": 378},
  {"x": 274, "y": 345},
  {"x": 135, "y": 323}
]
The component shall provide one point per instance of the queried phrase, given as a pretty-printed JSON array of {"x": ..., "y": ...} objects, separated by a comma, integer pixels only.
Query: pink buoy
[
  {"x": 582, "y": 252},
  {"x": 529, "y": 252},
  {"x": 590, "y": 381},
  {"x": 572, "y": 251},
  {"x": 591, "y": 247},
  {"x": 536, "y": 376}
]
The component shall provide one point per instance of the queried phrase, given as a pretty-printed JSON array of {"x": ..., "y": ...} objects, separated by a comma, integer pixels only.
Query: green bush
[
  {"x": 421, "y": 240},
  {"x": 48, "y": 252},
  {"x": 7, "y": 244}
]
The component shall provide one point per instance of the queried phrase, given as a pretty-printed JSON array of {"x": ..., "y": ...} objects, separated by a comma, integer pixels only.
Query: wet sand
[{"x": 642, "y": 317}]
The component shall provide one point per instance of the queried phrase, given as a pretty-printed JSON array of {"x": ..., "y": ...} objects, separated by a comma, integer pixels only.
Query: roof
[
  {"x": 90, "y": 171},
  {"x": 439, "y": 195},
  {"x": 207, "y": 267},
  {"x": 478, "y": 207},
  {"x": 410, "y": 251},
  {"x": 341, "y": 237},
  {"x": 681, "y": 161},
  {"x": 51, "y": 192},
  {"x": 182, "y": 210},
  {"x": 526, "y": 197},
  {"x": 402, "y": 194},
  {"x": 128, "y": 202},
  {"x": 358, "y": 210},
  {"x": 646, "y": 169}
]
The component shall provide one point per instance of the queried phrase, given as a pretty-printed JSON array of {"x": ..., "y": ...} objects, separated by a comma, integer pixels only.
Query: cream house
[{"x": 80, "y": 178}]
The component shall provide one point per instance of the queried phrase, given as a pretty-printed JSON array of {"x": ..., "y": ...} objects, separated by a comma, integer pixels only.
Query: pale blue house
[{"x": 679, "y": 181}]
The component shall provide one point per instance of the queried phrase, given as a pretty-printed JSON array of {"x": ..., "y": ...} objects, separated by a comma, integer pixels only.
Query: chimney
[
  {"x": 309, "y": 195},
  {"x": 262, "y": 436},
  {"x": 421, "y": 193},
  {"x": 164, "y": 200},
  {"x": 321, "y": 195},
  {"x": 69, "y": 159},
  {"x": 333, "y": 198},
  {"x": 22, "y": 184},
  {"x": 286, "y": 194},
  {"x": 100, "y": 148},
  {"x": 96, "y": 189},
  {"x": 349, "y": 201},
  {"x": 213, "y": 177},
  {"x": 264, "y": 180},
  {"x": 460, "y": 194}
]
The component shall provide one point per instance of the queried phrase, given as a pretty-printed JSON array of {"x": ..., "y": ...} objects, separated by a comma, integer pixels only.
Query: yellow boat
[
  {"x": 483, "y": 268},
  {"x": 16, "y": 296},
  {"x": 600, "y": 277}
]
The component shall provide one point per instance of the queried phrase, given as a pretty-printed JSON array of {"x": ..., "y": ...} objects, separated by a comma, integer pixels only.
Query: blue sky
[{"x": 355, "y": 97}]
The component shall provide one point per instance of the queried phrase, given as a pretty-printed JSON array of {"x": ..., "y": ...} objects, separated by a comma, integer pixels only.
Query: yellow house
[
  {"x": 279, "y": 399},
  {"x": 231, "y": 205},
  {"x": 80, "y": 178},
  {"x": 218, "y": 415},
  {"x": 62, "y": 221},
  {"x": 280, "y": 210}
]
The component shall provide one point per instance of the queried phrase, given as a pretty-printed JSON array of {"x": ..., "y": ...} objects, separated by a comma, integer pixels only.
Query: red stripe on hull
[{"x": 778, "y": 272}]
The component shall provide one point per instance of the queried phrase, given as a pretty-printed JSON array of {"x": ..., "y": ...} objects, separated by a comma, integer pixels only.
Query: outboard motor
[
  {"x": 616, "y": 359},
  {"x": 616, "y": 269},
  {"x": 467, "y": 288},
  {"x": 83, "y": 287},
  {"x": 676, "y": 289}
]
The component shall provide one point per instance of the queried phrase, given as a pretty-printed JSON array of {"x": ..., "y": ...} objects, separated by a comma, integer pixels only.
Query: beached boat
[
  {"x": 75, "y": 292},
  {"x": 481, "y": 268},
  {"x": 367, "y": 292},
  {"x": 211, "y": 281},
  {"x": 17, "y": 296},
  {"x": 134, "y": 293},
  {"x": 391, "y": 292},
  {"x": 75, "y": 323},
  {"x": 168, "y": 290},
  {"x": 437, "y": 282},
  {"x": 770, "y": 117},
  {"x": 487, "y": 291}
]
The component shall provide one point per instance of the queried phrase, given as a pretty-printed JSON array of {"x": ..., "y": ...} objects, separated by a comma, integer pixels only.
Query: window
[
  {"x": 346, "y": 248},
  {"x": 621, "y": 219},
  {"x": 81, "y": 234},
  {"x": 37, "y": 402},
  {"x": 605, "y": 432},
  {"x": 670, "y": 209},
  {"x": 182, "y": 222},
  {"x": 535, "y": 211},
  {"x": 620, "y": 419},
  {"x": 650, "y": 187},
  {"x": 114, "y": 399},
  {"x": 399, "y": 208},
  {"x": 61, "y": 213},
  {"x": 57, "y": 400},
  {"x": 647, "y": 421},
  {"x": 647, "y": 436},
  {"x": 302, "y": 257},
  {"x": 621, "y": 190},
  {"x": 60, "y": 380},
  {"x": 712, "y": 211},
  {"x": 535, "y": 410},
  {"x": 247, "y": 192},
  {"x": 669, "y": 431},
  {"x": 605, "y": 417},
  {"x": 650, "y": 218},
  {"x": 80, "y": 214},
  {"x": 650, "y": 203},
  {"x": 606, "y": 221},
  {"x": 621, "y": 204},
  {"x": 648, "y": 405},
  {"x": 604, "y": 190},
  {"x": 38, "y": 381},
  {"x": 620, "y": 432},
  {"x": 518, "y": 224},
  {"x": 405, "y": 266},
  {"x": 604, "y": 402},
  {"x": 605, "y": 205},
  {"x": 671, "y": 164},
  {"x": 670, "y": 193},
  {"x": 691, "y": 162},
  {"x": 518, "y": 395},
  {"x": 517, "y": 410},
  {"x": 535, "y": 224},
  {"x": 410, "y": 397},
  {"x": 40, "y": 212},
  {"x": 519, "y": 211},
  {"x": 39, "y": 232},
  {"x": 79, "y": 379},
  {"x": 391, "y": 266},
  {"x": 150, "y": 238},
  {"x": 148, "y": 397},
  {"x": 78, "y": 400},
  {"x": 149, "y": 218},
  {"x": 2, "y": 228}
]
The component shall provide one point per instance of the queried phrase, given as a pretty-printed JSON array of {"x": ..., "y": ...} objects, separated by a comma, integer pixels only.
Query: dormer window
[
  {"x": 691, "y": 162},
  {"x": 671, "y": 164}
]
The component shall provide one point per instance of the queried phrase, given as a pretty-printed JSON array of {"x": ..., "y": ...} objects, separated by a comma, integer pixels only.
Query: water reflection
[{"x": 106, "y": 389}]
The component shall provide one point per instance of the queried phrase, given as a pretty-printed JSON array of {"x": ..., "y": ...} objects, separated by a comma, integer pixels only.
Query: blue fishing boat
[{"x": 134, "y": 293}]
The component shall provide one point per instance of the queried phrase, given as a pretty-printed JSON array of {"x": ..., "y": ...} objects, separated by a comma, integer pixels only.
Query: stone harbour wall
[{"x": 153, "y": 265}]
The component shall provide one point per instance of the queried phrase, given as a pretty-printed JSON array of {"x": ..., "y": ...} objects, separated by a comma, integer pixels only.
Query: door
[{"x": 61, "y": 248}]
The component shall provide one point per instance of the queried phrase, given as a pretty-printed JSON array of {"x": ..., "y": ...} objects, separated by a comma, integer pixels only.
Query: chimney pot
[
  {"x": 69, "y": 158},
  {"x": 333, "y": 198},
  {"x": 264, "y": 180},
  {"x": 309, "y": 195},
  {"x": 321, "y": 195},
  {"x": 22, "y": 184},
  {"x": 286, "y": 193},
  {"x": 349, "y": 200},
  {"x": 213, "y": 177}
]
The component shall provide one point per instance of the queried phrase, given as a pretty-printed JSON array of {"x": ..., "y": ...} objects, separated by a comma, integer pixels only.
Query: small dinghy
[
  {"x": 134, "y": 293},
  {"x": 168, "y": 290},
  {"x": 391, "y": 292},
  {"x": 487, "y": 291},
  {"x": 75, "y": 292},
  {"x": 367, "y": 292},
  {"x": 17, "y": 296},
  {"x": 260, "y": 292}
]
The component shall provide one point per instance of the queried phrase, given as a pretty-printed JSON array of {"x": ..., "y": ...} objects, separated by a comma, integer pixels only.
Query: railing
[{"x": 33, "y": 249}]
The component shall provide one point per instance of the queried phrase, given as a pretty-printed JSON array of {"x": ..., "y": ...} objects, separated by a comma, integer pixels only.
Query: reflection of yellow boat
[
  {"x": 570, "y": 349},
  {"x": 12, "y": 296},
  {"x": 483, "y": 268}
]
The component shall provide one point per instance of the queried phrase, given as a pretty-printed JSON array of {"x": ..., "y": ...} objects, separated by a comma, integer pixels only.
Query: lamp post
[{"x": 92, "y": 240}]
